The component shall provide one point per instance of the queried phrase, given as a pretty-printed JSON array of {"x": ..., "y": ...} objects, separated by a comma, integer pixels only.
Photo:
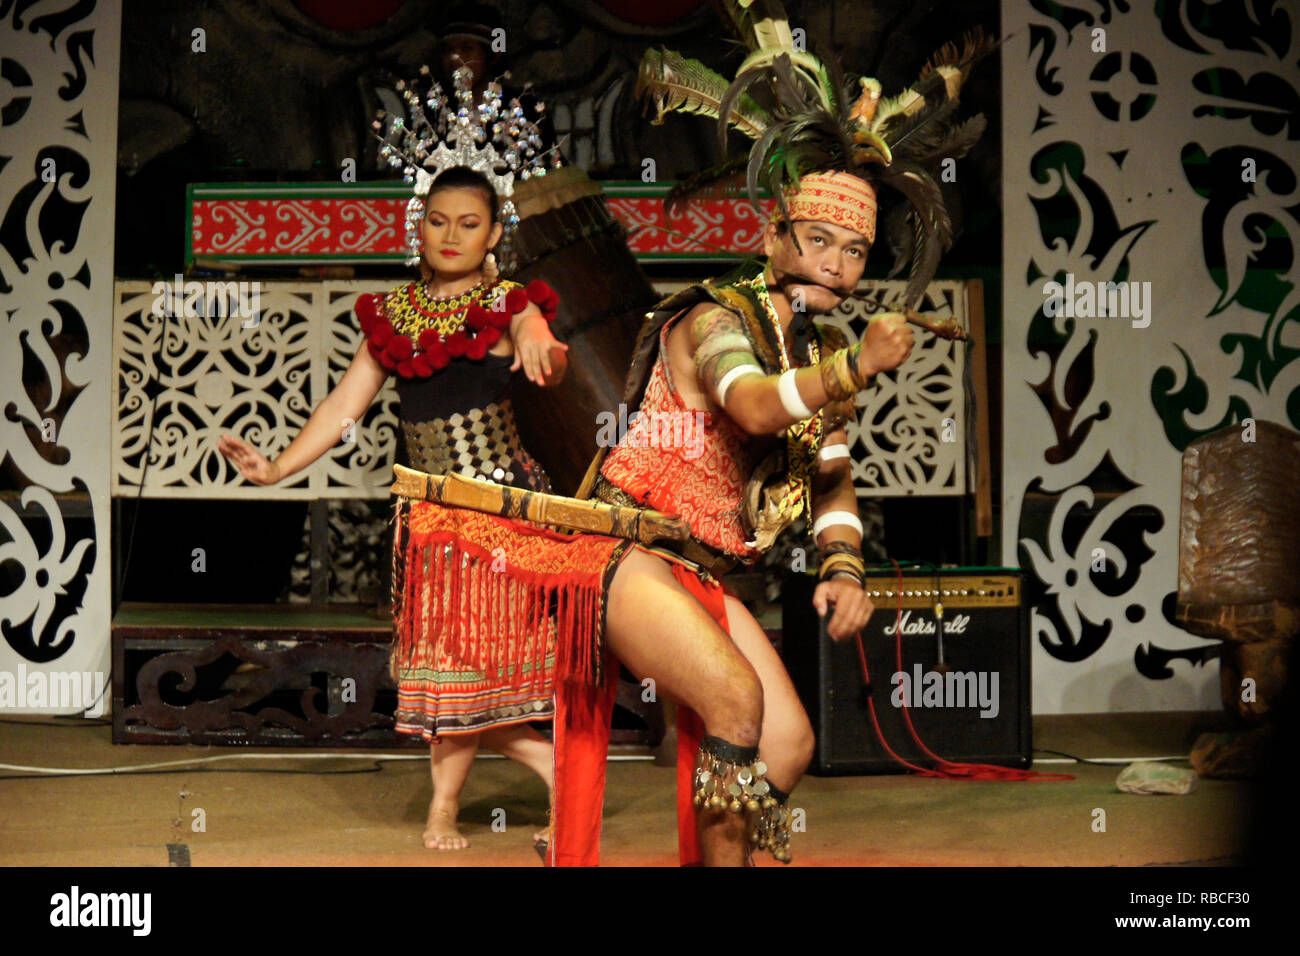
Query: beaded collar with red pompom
[{"x": 412, "y": 334}]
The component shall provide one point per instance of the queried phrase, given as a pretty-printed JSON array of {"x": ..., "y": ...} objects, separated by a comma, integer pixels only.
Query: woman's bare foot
[
  {"x": 543, "y": 835},
  {"x": 440, "y": 831}
]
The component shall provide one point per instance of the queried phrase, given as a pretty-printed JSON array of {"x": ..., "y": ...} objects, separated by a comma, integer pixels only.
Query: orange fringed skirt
[{"x": 488, "y": 613}]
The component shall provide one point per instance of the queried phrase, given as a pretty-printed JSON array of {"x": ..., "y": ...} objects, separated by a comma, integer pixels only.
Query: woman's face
[
  {"x": 467, "y": 52},
  {"x": 457, "y": 231}
]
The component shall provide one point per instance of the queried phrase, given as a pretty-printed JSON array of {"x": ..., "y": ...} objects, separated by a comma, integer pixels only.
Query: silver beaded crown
[{"x": 492, "y": 138}]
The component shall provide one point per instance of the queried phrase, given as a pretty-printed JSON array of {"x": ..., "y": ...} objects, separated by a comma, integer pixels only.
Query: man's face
[{"x": 829, "y": 267}]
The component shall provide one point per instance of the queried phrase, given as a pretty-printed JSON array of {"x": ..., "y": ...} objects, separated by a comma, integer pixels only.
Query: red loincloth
[{"x": 582, "y": 725}]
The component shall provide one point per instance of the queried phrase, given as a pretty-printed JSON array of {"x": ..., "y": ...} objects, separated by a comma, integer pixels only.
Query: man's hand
[
  {"x": 886, "y": 345},
  {"x": 851, "y": 604}
]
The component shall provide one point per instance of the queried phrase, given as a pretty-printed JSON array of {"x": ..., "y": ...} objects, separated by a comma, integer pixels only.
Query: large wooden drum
[{"x": 568, "y": 238}]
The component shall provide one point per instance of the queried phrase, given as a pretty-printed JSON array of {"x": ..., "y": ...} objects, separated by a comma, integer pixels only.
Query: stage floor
[{"x": 338, "y": 810}]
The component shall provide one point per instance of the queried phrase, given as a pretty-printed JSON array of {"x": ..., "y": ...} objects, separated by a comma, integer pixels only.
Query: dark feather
[
  {"x": 925, "y": 263},
  {"x": 957, "y": 142},
  {"x": 922, "y": 130},
  {"x": 923, "y": 193},
  {"x": 738, "y": 88},
  {"x": 726, "y": 180},
  {"x": 899, "y": 226},
  {"x": 975, "y": 46}
]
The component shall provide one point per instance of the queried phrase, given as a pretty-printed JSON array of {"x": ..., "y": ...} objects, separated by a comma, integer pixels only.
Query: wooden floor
[{"x": 368, "y": 809}]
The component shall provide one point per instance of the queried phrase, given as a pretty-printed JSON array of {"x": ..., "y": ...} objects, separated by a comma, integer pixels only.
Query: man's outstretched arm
[{"x": 765, "y": 404}]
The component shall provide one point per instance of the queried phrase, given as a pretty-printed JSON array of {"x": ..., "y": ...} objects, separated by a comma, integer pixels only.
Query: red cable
[{"x": 947, "y": 769}]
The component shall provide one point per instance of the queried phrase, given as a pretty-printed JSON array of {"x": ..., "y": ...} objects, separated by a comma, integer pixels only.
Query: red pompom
[
  {"x": 477, "y": 317},
  {"x": 420, "y": 365},
  {"x": 477, "y": 348},
  {"x": 491, "y": 336},
  {"x": 456, "y": 344},
  {"x": 538, "y": 290},
  {"x": 516, "y": 301},
  {"x": 428, "y": 339},
  {"x": 406, "y": 369},
  {"x": 376, "y": 350},
  {"x": 438, "y": 357},
  {"x": 387, "y": 361},
  {"x": 367, "y": 309},
  {"x": 381, "y": 333},
  {"x": 399, "y": 347},
  {"x": 500, "y": 319}
]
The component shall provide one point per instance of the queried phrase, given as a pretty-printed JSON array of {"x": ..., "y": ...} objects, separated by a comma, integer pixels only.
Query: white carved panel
[
  {"x": 256, "y": 376},
  {"x": 58, "y": 137},
  {"x": 910, "y": 436}
]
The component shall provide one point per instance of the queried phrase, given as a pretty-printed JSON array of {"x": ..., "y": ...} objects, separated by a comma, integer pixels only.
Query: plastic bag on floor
[{"x": 1148, "y": 777}]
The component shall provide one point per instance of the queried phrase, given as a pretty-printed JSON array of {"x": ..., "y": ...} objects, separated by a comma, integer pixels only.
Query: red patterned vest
[{"x": 686, "y": 462}]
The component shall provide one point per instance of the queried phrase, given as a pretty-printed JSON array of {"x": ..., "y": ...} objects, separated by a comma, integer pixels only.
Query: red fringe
[{"x": 470, "y": 602}]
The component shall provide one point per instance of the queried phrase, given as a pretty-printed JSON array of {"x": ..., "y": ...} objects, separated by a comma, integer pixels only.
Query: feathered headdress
[
  {"x": 817, "y": 121},
  {"x": 493, "y": 138}
]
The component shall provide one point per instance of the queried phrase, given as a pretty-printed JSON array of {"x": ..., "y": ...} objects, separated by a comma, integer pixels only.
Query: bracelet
[
  {"x": 843, "y": 563},
  {"x": 837, "y": 381},
  {"x": 840, "y": 547},
  {"x": 791, "y": 400},
  {"x": 846, "y": 518},
  {"x": 859, "y": 380}
]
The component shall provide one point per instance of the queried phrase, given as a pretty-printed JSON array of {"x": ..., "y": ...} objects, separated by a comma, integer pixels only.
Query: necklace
[{"x": 416, "y": 310}]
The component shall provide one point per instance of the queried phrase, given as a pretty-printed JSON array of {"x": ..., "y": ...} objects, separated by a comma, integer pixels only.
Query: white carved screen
[
  {"x": 58, "y": 130},
  {"x": 910, "y": 436},
  {"x": 262, "y": 382},
  {"x": 256, "y": 377}
]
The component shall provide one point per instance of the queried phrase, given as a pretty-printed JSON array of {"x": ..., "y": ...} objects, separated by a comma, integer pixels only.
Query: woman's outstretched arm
[{"x": 348, "y": 401}]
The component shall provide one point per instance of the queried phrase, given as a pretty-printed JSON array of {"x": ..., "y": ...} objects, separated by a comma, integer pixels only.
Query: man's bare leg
[
  {"x": 526, "y": 746},
  {"x": 449, "y": 763},
  {"x": 658, "y": 630},
  {"x": 787, "y": 741}
]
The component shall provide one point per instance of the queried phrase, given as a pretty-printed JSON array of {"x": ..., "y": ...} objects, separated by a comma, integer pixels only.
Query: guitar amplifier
[{"x": 974, "y": 709}]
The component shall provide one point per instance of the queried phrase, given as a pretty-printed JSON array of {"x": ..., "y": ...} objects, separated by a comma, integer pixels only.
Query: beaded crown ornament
[{"x": 493, "y": 138}]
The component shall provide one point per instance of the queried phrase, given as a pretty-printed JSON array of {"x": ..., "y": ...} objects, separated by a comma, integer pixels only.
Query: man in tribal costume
[{"x": 758, "y": 396}]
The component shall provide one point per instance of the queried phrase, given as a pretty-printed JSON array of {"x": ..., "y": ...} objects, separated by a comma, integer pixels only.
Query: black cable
[
  {"x": 62, "y": 720},
  {"x": 1099, "y": 763},
  {"x": 165, "y": 770},
  {"x": 148, "y": 447}
]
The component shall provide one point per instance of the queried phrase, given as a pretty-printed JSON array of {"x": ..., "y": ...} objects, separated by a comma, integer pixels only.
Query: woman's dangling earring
[{"x": 490, "y": 268}]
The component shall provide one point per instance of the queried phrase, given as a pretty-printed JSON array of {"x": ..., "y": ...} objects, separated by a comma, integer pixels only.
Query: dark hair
[{"x": 462, "y": 177}]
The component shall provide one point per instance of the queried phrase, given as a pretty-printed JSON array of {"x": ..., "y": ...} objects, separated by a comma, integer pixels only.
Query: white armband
[
  {"x": 831, "y": 452},
  {"x": 729, "y": 379},
  {"x": 846, "y": 518},
  {"x": 791, "y": 401}
]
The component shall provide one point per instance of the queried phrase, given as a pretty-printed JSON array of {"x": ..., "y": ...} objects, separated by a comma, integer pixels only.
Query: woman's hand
[
  {"x": 537, "y": 351},
  {"x": 252, "y": 464}
]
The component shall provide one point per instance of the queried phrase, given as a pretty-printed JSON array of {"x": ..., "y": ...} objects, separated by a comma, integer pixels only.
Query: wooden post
[{"x": 979, "y": 372}]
